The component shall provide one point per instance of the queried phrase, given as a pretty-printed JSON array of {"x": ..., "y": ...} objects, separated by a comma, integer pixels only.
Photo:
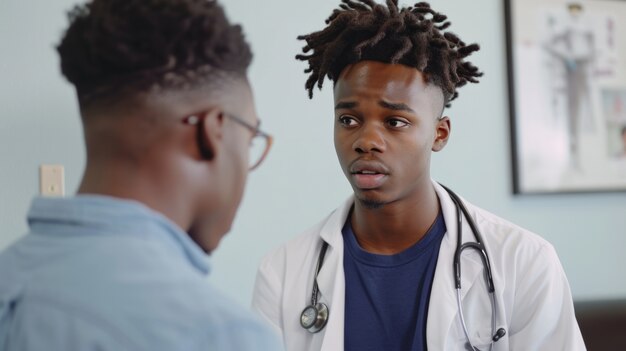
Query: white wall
[{"x": 301, "y": 181}]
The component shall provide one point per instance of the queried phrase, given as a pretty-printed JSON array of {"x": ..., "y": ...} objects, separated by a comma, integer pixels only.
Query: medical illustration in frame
[{"x": 567, "y": 94}]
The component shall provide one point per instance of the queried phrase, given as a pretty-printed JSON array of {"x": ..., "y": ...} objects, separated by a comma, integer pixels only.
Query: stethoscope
[{"x": 315, "y": 316}]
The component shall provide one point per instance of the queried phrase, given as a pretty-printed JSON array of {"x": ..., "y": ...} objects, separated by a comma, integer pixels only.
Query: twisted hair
[
  {"x": 414, "y": 36},
  {"x": 114, "y": 45}
]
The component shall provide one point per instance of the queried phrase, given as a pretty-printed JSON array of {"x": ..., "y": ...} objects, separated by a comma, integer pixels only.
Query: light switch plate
[{"x": 51, "y": 180}]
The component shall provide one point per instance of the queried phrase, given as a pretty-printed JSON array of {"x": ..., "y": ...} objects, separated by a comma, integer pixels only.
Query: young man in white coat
[{"x": 380, "y": 272}]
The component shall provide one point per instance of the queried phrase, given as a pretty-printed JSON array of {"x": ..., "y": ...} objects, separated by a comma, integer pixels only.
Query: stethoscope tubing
[
  {"x": 479, "y": 247},
  {"x": 318, "y": 267}
]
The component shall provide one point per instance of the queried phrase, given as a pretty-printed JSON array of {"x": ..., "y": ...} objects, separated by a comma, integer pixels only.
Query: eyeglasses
[{"x": 259, "y": 145}]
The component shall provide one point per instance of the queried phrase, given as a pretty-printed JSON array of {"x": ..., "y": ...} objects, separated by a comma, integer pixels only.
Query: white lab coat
[{"x": 534, "y": 303}]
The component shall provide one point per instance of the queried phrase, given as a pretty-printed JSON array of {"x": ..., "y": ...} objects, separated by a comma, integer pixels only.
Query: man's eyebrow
[
  {"x": 346, "y": 105},
  {"x": 395, "y": 106}
]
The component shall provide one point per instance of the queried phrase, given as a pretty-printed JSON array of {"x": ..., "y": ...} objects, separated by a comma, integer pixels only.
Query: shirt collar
[{"x": 110, "y": 215}]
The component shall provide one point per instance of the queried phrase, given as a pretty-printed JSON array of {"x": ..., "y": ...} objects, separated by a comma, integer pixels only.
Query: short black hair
[
  {"x": 116, "y": 47},
  {"x": 414, "y": 36}
]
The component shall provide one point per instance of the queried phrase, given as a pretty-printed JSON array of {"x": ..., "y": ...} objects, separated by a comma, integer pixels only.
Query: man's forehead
[
  {"x": 374, "y": 71},
  {"x": 391, "y": 82}
]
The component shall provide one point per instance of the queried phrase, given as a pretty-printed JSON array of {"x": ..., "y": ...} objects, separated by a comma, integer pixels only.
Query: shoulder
[
  {"x": 511, "y": 242},
  {"x": 497, "y": 233},
  {"x": 502, "y": 228},
  {"x": 41, "y": 325},
  {"x": 144, "y": 299},
  {"x": 205, "y": 318}
]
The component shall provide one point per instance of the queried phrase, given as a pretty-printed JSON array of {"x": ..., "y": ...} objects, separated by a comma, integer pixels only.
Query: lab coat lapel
[
  {"x": 443, "y": 307},
  {"x": 331, "y": 280}
]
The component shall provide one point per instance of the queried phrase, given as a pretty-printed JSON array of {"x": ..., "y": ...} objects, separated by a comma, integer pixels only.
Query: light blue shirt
[{"x": 99, "y": 273}]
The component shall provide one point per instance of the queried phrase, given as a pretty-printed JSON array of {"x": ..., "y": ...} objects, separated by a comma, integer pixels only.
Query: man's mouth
[
  {"x": 368, "y": 175},
  {"x": 368, "y": 167},
  {"x": 367, "y": 180}
]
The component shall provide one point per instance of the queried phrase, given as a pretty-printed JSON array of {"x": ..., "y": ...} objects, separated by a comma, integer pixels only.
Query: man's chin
[{"x": 370, "y": 202}]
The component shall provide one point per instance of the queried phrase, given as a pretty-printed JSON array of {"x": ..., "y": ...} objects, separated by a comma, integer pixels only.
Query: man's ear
[
  {"x": 210, "y": 133},
  {"x": 442, "y": 130}
]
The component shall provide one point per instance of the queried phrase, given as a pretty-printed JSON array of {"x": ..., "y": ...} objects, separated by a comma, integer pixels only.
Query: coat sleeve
[
  {"x": 268, "y": 288},
  {"x": 543, "y": 316}
]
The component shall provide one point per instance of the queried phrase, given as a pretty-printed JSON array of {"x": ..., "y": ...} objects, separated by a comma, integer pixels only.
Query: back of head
[
  {"x": 414, "y": 36},
  {"x": 141, "y": 69},
  {"x": 115, "y": 49}
]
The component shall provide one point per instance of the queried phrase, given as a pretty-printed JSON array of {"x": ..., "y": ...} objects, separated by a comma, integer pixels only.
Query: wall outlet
[{"x": 51, "y": 180}]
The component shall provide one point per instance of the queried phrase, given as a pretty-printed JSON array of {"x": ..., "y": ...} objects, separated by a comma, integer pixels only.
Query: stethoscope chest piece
[{"x": 314, "y": 317}]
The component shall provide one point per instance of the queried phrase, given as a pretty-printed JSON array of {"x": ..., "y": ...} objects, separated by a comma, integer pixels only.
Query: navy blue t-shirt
[{"x": 387, "y": 295}]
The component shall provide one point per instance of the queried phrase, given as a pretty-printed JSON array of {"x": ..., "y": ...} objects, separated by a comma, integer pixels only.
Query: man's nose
[{"x": 370, "y": 139}]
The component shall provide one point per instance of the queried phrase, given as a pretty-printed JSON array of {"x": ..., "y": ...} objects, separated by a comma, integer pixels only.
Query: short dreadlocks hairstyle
[
  {"x": 414, "y": 36},
  {"x": 116, "y": 47}
]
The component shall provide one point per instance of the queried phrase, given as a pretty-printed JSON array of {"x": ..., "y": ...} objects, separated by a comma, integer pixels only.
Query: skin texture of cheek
[
  {"x": 219, "y": 208},
  {"x": 236, "y": 176},
  {"x": 408, "y": 161}
]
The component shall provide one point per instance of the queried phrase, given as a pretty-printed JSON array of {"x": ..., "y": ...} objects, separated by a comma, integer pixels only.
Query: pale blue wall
[{"x": 301, "y": 182}]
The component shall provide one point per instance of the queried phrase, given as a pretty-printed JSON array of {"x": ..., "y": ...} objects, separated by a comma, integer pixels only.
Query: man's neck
[
  {"x": 397, "y": 226},
  {"x": 129, "y": 183}
]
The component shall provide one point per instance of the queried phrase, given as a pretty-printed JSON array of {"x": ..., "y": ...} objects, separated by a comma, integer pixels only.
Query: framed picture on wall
[{"x": 567, "y": 94}]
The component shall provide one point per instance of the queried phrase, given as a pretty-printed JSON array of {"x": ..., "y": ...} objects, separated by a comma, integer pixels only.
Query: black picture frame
[{"x": 566, "y": 68}]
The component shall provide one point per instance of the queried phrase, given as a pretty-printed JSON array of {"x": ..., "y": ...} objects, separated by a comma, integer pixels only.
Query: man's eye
[
  {"x": 347, "y": 121},
  {"x": 397, "y": 123}
]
